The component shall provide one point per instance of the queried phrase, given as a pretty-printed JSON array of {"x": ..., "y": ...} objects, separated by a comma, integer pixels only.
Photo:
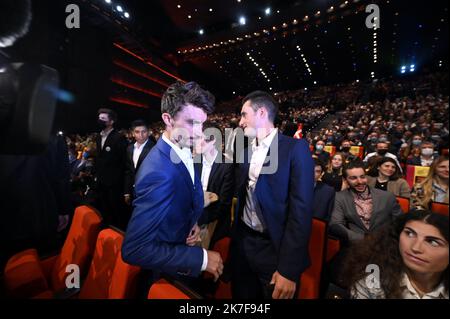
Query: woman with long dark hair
[
  {"x": 385, "y": 175},
  {"x": 410, "y": 259}
]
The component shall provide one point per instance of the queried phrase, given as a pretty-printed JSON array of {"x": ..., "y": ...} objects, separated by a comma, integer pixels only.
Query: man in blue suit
[
  {"x": 169, "y": 197},
  {"x": 274, "y": 216}
]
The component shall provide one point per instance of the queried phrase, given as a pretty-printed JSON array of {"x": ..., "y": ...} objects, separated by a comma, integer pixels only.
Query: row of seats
[
  {"x": 98, "y": 260},
  {"x": 438, "y": 208}
]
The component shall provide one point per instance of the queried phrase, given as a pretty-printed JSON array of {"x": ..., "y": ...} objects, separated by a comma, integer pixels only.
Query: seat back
[
  {"x": 310, "y": 279},
  {"x": 357, "y": 151},
  {"x": 415, "y": 174},
  {"x": 109, "y": 276},
  {"x": 162, "y": 289},
  {"x": 404, "y": 204},
  {"x": 330, "y": 149},
  {"x": 223, "y": 290},
  {"x": 440, "y": 208},
  {"x": 333, "y": 247},
  {"x": 78, "y": 246}
]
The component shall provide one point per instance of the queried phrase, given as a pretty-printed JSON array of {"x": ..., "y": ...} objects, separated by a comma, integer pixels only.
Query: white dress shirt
[
  {"x": 137, "y": 151},
  {"x": 207, "y": 165},
  {"x": 361, "y": 291},
  {"x": 259, "y": 155},
  {"x": 185, "y": 155},
  {"x": 104, "y": 134}
]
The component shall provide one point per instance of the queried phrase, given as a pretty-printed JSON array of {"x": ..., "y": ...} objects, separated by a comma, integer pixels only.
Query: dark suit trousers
[
  {"x": 253, "y": 262},
  {"x": 111, "y": 205}
]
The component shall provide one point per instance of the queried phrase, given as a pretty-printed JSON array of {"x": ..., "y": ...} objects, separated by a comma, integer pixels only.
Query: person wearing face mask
[
  {"x": 371, "y": 142},
  {"x": 426, "y": 155},
  {"x": 320, "y": 153},
  {"x": 109, "y": 168},
  {"x": 382, "y": 151}
]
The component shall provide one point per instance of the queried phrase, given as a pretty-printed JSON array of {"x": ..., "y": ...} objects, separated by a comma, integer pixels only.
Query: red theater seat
[
  {"x": 310, "y": 279},
  {"x": 440, "y": 208},
  {"x": 404, "y": 204},
  {"x": 26, "y": 276},
  {"x": 169, "y": 289},
  {"x": 109, "y": 276},
  {"x": 333, "y": 247}
]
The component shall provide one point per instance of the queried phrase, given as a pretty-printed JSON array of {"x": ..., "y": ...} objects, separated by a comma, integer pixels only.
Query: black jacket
[
  {"x": 110, "y": 161},
  {"x": 130, "y": 170},
  {"x": 220, "y": 182}
]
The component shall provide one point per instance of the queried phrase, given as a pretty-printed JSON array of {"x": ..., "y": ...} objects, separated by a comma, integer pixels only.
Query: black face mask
[
  {"x": 382, "y": 152},
  {"x": 101, "y": 124},
  {"x": 345, "y": 149}
]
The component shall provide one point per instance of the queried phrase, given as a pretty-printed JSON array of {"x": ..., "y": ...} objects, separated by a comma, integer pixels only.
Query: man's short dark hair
[
  {"x": 137, "y": 123},
  {"x": 111, "y": 114},
  {"x": 318, "y": 162},
  {"x": 180, "y": 94},
  {"x": 260, "y": 99},
  {"x": 357, "y": 163}
]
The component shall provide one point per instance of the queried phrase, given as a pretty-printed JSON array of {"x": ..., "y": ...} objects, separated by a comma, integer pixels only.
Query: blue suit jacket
[
  {"x": 323, "y": 201},
  {"x": 166, "y": 207},
  {"x": 284, "y": 202}
]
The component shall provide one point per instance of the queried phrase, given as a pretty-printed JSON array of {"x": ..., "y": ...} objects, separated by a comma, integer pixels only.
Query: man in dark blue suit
[
  {"x": 274, "y": 216},
  {"x": 169, "y": 197}
]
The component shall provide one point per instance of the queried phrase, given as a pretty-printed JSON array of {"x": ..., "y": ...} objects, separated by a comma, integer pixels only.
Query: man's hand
[
  {"x": 209, "y": 198},
  {"x": 194, "y": 236},
  {"x": 284, "y": 288},
  {"x": 215, "y": 264}
]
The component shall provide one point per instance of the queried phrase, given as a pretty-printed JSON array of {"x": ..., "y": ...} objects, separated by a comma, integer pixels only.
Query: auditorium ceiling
[{"x": 279, "y": 45}]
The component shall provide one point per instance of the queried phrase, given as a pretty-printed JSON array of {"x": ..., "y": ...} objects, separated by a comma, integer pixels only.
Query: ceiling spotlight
[
  {"x": 268, "y": 11},
  {"x": 189, "y": 16},
  {"x": 179, "y": 6},
  {"x": 201, "y": 31},
  {"x": 210, "y": 9},
  {"x": 242, "y": 21},
  {"x": 108, "y": 1},
  {"x": 119, "y": 8},
  {"x": 412, "y": 66},
  {"x": 126, "y": 15},
  {"x": 315, "y": 82}
]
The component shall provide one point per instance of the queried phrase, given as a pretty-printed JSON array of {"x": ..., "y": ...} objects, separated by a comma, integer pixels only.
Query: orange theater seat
[
  {"x": 440, "y": 208},
  {"x": 163, "y": 289},
  {"x": 404, "y": 204},
  {"x": 26, "y": 276},
  {"x": 109, "y": 276},
  {"x": 310, "y": 279},
  {"x": 415, "y": 174}
]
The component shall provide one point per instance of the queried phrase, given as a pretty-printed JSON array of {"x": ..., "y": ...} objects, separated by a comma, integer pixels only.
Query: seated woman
[
  {"x": 407, "y": 260},
  {"x": 385, "y": 175},
  {"x": 333, "y": 174},
  {"x": 434, "y": 188}
]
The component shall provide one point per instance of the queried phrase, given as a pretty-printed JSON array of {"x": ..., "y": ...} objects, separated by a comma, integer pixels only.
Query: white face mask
[{"x": 427, "y": 151}]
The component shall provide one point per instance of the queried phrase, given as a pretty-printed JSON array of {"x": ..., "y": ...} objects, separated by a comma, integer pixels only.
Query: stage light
[
  {"x": 119, "y": 8},
  {"x": 108, "y": 1},
  {"x": 201, "y": 31},
  {"x": 412, "y": 66},
  {"x": 126, "y": 15},
  {"x": 267, "y": 11},
  {"x": 242, "y": 21}
]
